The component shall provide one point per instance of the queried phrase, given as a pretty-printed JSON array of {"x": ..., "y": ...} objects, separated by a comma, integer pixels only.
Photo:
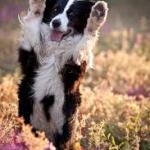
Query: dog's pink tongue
[{"x": 56, "y": 36}]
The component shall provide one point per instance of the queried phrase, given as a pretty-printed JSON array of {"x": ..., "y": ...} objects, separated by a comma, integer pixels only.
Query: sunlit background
[{"x": 116, "y": 94}]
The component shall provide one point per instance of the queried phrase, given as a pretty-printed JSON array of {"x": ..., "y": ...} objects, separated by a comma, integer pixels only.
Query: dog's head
[{"x": 66, "y": 17}]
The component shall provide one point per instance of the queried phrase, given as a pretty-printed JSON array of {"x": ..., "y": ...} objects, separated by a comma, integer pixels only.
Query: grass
[{"x": 115, "y": 111}]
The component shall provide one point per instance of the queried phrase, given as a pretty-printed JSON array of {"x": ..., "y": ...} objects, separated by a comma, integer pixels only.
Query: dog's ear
[{"x": 97, "y": 17}]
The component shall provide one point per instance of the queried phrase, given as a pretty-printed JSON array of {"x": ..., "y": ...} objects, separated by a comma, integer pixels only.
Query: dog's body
[{"x": 49, "y": 91}]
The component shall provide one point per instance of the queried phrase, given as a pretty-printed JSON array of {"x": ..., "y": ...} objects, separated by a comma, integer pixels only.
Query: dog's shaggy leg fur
[
  {"x": 72, "y": 75},
  {"x": 96, "y": 20},
  {"x": 27, "y": 56},
  {"x": 30, "y": 24},
  {"x": 29, "y": 64},
  {"x": 74, "y": 70}
]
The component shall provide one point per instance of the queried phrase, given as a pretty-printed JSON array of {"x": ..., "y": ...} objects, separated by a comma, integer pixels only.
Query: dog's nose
[{"x": 56, "y": 23}]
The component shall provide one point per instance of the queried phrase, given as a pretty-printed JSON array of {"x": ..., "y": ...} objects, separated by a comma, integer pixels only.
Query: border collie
[{"x": 54, "y": 52}]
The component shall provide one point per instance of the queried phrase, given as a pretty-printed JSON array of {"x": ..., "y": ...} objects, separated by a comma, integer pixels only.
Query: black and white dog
[{"x": 55, "y": 49}]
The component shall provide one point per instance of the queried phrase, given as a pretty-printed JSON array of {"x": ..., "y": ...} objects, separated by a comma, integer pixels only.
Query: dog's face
[{"x": 67, "y": 17}]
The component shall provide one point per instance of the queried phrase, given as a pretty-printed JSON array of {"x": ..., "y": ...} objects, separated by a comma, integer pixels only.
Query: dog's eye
[
  {"x": 70, "y": 14},
  {"x": 55, "y": 9}
]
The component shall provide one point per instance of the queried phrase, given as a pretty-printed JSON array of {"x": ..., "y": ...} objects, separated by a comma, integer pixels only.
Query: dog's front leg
[
  {"x": 97, "y": 18},
  {"x": 37, "y": 7},
  {"x": 30, "y": 41},
  {"x": 30, "y": 24},
  {"x": 29, "y": 44},
  {"x": 95, "y": 21}
]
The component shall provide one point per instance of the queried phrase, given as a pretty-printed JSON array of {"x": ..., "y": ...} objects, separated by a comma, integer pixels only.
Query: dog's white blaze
[
  {"x": 64, "y": 22},
  {"x": 63, "y": 18},
  {"x": 70, "y": 2}
]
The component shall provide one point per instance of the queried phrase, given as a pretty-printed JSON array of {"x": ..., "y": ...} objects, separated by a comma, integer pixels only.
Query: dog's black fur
[{"x": 29, "y": 65}]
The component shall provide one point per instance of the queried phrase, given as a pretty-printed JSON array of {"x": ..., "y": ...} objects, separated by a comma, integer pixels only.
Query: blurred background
[
  {"x": 127, "y": 22},
  {"x": 115, "y": 111}
]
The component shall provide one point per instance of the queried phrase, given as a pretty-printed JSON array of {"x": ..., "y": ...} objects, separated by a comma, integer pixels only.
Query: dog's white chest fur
[{"x": 48, "y": 82}]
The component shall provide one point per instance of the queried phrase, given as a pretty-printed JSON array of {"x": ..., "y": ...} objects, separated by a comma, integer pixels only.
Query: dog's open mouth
[{"x": 58, "y": 36}]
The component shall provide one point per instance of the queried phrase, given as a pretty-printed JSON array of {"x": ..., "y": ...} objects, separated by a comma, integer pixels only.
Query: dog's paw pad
[
  {"x": 99, "y": 10},
  {"x": 37, "y": 7},
  {"x": 97, "y": 17}
]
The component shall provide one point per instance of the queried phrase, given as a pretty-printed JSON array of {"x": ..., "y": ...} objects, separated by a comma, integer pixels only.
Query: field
[{"x": 115, "y": 110}]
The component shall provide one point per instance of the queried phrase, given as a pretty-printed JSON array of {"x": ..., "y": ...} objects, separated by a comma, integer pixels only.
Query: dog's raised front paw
[
  {"x": 37, "y": 6},
  {"x": 97, "y": 17},
  {"x": 35, "y": 12}
]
